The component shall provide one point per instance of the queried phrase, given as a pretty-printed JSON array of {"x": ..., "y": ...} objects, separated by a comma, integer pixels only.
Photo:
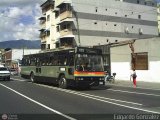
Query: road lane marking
[
  {"x": 81, "y": 93},
  {"x": 42, "y": 105},
  {"x": 89, "y": 96},
  {"x": 94, "y": 95},
  {"x": 148, "y": 94}
]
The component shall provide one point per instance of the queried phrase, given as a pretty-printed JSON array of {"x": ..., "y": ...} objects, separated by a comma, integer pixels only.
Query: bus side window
[
  {"x": 37, "y": 62},
  {"x": 23, "y": 61},
  {"x": 71, "y": 60}
]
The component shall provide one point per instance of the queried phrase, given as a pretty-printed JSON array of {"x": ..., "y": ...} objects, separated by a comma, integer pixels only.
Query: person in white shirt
[{"x": 134, "y": 76}]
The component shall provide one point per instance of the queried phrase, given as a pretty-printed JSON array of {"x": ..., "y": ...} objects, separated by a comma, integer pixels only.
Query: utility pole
[{"x": 133, "y": 61}]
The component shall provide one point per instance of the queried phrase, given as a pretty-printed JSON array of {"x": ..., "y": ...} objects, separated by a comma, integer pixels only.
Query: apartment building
[
  {"x": 47, "y": 23},
  {"x": 73, "y": 23}
]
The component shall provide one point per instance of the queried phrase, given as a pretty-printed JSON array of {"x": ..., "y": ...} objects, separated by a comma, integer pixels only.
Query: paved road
[{"x": 25, "y": 100}]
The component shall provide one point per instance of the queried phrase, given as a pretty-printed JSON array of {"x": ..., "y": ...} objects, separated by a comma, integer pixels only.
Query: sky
[{"x": 19, "y": 19}]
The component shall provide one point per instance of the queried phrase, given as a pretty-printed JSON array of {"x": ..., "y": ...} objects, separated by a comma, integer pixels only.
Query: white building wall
[
  {"x": 120, "y": 27},
  {"x": 127, "y": 12},
  {"x": 121, "y": 60},
  {"x": 17, "y": 54}
]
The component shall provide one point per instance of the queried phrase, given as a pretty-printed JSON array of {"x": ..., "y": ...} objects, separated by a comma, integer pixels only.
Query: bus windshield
[{"x": 89, "y": 62}]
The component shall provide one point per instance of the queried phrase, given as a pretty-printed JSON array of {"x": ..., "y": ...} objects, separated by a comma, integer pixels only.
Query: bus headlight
[
  {"x": 81, "y": 79},
  {"x": 101, "y": 78}
]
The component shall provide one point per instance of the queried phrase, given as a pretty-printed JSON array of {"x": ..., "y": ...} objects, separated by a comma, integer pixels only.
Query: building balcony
[
  {"x": 65, "y": 21},
  {"x": 66, "y": 14},
  {"x": 42, "y": 22},
  {"x": 42, "y": 35},
  {"x": 65, "y": 10},
  {"x": 58, "y": 3},
  {"x": 43, "y": 40},
  {"x": 48, "y": 5},
  {"x": 43, "y": 25},
  {"x": 66, "y": 32}
]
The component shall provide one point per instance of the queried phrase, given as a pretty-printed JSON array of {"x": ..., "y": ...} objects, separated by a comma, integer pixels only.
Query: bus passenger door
[
  {"x": 38, "y": 67},
  {"x": 38, "y": 70}
]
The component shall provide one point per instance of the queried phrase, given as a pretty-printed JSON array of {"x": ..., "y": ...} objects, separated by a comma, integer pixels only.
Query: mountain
[{"x": 17, "y": 44}]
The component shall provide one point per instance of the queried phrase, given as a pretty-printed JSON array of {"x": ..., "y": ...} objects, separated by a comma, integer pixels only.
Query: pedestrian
[{"x": 134, "y": 76}]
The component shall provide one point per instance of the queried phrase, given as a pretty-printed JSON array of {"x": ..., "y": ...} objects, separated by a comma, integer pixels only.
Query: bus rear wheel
[{"x": 63, "y": 82}]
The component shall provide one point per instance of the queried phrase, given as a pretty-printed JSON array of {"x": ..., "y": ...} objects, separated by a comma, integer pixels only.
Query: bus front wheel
[{"x": 63, "y": 82}]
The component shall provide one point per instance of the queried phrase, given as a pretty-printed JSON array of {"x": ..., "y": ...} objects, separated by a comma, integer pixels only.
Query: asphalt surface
[{"x": 22, "y": 100}]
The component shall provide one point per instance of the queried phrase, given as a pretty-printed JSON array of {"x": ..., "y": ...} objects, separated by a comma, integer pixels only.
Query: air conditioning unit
[
  {"x": 140, "y": 31},
  {"x": 127, "y": 30}
]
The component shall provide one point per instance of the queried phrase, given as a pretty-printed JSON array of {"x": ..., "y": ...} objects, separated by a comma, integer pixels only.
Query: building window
[
  {"x": 95, "y": 23},
  {"x": 107, "y": 40},
  {"x": 48, "y": 17},
  {"x": 48, "y": 46},
  {"x": 125, "y": 15},
  {"x": 116, "y": 40},
  {"x": 106, "y": 9},
  {"x": 139, "y": 16},
  {"x": 138, "y": 1},
  {"x": 48, "y": 33},
  {"x": 140, "y": 31},
  {"x": 96, "y": 9},
  {"x": 115, "y": 24},
  {"x": 57, "y": 28},
  {"x": 56, "y": 14},
  {"x": 116, "y": 13},
  {"x": 139, "y": 61}
]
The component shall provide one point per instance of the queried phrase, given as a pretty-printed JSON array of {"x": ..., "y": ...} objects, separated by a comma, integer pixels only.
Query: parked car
[{"x": 4, "y": 73}]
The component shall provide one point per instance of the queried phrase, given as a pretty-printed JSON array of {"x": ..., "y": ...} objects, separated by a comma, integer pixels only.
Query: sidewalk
[{"x": 140, "y": 84}]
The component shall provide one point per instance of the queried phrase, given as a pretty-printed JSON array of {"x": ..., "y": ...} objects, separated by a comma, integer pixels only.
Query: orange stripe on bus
[{"x": 83, "y": 73}]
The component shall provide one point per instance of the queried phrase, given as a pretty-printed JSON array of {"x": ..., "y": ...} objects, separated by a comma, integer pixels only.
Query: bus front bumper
[{"x": 89, "y": 81}]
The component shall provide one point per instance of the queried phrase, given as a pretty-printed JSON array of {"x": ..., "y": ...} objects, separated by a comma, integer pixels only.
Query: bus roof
[{"x": 67, "y": 49}]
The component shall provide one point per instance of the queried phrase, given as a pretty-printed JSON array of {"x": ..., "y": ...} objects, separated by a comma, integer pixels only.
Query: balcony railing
[
  {"x": 66, "y": 14},
  {"x": 66, "y": 32},
  {"x": 42, "y": 35},
  {"x": 42, "y": 25}
]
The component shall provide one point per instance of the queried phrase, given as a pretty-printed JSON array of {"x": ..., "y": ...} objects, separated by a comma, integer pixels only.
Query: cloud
[
  {"x": 19, "y": 19},
  {"x": 10, "y": 3}
]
